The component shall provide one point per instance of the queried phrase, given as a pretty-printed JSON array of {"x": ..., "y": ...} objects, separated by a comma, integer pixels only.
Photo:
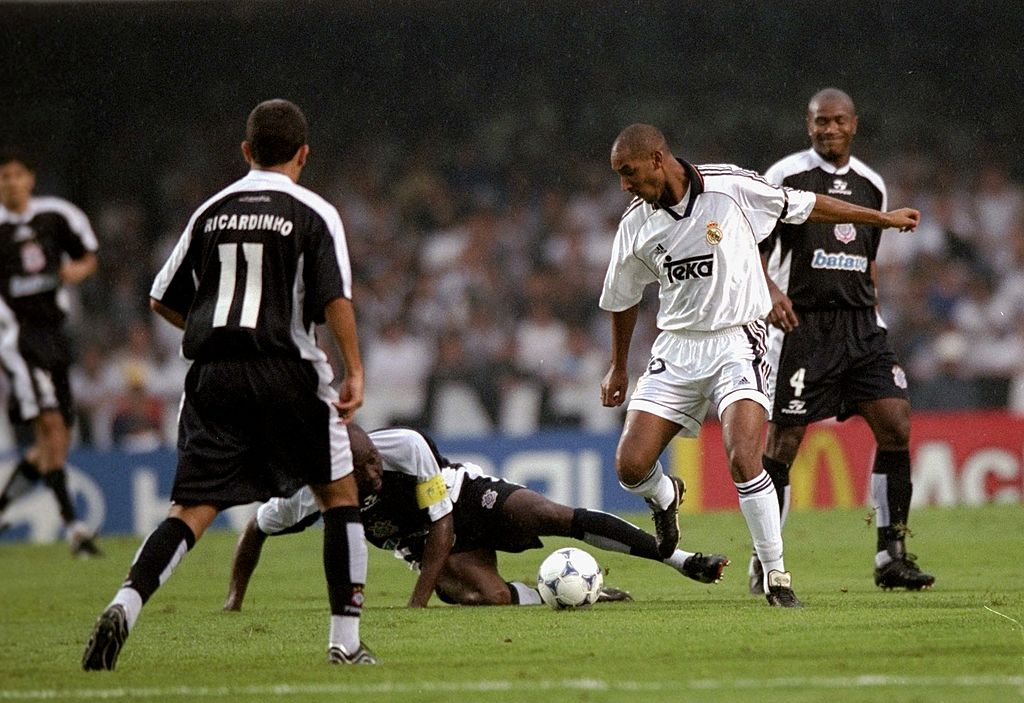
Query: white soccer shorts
[{"x": 690, "y": 370}]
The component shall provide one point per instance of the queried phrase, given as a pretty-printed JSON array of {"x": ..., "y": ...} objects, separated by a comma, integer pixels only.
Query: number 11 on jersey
[{"x": 253, "y": 254}]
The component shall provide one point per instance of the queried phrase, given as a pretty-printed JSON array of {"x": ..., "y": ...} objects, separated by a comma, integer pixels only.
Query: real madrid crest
[{"x": 714, "y": 233}]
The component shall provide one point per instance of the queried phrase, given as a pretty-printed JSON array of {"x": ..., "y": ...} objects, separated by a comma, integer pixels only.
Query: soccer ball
[{"x": 569, "y": 578}]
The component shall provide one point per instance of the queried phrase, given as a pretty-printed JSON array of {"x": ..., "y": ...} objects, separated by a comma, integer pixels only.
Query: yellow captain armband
[{"x": 431, "y": 492}]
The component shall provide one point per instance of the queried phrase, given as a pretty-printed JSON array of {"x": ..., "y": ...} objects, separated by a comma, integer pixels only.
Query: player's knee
[{"x": 783, "y": 443}]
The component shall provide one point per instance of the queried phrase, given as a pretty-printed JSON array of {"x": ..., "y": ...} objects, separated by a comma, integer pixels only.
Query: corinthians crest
[{"x": 714, "y": 233}]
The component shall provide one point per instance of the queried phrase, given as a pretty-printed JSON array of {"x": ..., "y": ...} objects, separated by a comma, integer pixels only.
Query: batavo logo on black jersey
[
  {"x": 685, "y": 269},
  {"x": 838, "y": 262}
]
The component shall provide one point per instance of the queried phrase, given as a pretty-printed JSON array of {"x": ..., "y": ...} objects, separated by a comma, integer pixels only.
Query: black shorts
[
  {"x": 255, "y": 428},
  {"x": 480, "y": 521},
  {"x": 833, "y": 361},
  {"x": 38, "y": 374}
]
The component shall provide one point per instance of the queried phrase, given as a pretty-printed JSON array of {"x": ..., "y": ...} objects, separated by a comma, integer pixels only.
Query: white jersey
[
  {"x": 702, "y": 252},
  {"x": 406, "y": 457}
]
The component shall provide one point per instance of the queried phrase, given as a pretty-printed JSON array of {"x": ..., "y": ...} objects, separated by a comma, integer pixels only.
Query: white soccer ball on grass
[{"x": 569, "y": 578}]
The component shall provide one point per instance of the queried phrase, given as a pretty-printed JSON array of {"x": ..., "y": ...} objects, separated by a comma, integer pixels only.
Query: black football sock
[
  {"x": 778, "y": 471},
  {"x": 606, "y": 531},
  {"x": 57, "y": 481},
  {"x": 345, "y": 560},
  {"x": 19, "y": 483},
  {"x": 893, "y": 468},
  {"x": 159, "y": 555}
]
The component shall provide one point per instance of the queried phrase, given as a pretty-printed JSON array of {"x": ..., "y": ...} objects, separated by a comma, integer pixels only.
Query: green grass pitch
[{"x": 961, "y": 641}]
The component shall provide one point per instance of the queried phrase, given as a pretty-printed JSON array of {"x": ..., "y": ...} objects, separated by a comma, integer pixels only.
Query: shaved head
[
  {"x": 832, "y": 96},
  {"x": 831, "y": 125},
  {"x": 640, "y": 139}
]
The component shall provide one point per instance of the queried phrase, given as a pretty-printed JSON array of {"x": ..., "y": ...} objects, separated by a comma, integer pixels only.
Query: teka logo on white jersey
[
  {"x": 845, "y": 232},
  {"x": 838, "y": 262},
  {"x": 840, "y": 187},
  {"x": 694, "y": 267}
]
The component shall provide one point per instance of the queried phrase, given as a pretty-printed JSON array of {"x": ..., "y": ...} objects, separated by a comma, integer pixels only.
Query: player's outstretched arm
[
  {"x": 436, "y": 548},
  {"x": 834, "y": 211},
  {"x": 247, "y": 556}
]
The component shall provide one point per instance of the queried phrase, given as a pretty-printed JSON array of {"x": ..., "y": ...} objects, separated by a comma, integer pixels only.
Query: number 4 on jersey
[
  {"x": 797, "y": 382},
  {"x": 253, "y": 254}
]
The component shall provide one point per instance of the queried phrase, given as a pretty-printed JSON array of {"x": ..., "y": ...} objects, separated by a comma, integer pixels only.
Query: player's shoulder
[
  {"x": 727, "y": 177},
  {"x": 636, "y": 211},
  {"x": 312, "y": 200},
  {"x": 868, "y": 173},
  {"x": 263, "y": 181},
  {"x": 799, "y": 162},
  {"x": 404, "y": 447},
  {"x": 54, "y": 204}
]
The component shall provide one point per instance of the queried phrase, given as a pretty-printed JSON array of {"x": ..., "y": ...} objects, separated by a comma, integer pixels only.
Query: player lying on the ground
[{"x": 449, "y": 520}]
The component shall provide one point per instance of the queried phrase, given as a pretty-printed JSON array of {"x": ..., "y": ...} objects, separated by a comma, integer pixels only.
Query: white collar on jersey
[{"x": 828, "y": 167}]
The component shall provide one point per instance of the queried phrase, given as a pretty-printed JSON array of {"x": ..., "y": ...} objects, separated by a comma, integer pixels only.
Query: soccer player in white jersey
[
  {"x": 828, "y": 345},
  {"x": 694, "y": 230}
]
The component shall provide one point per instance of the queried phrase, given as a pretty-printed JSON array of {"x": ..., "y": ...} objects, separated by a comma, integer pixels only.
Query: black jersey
[
  {"x": 825, "y": 266},
  {"x": 414, "y": 493},
  {"x": 33, "y": 245},
  {"x": 255, "y": 269}
]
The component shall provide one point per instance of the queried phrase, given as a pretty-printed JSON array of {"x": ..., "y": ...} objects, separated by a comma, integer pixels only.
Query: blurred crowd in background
[
  {"x": 476, "y": 289},
  {"x": 466, "y": 147}
]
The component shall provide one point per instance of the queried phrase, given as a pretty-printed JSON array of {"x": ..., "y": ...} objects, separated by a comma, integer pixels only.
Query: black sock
[
  {"x": 606, "y": 531},
  {"x": 778, "y": 472},
  {"x": 57, "y": 481},
  {"x": 22, "y": 479},
  {"x": 895, "y": 465},
  {"x": 160, "y": 553},
  {"x": 344, "y": 560}
]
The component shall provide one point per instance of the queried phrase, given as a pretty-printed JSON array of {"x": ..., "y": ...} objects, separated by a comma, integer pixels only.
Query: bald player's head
[
  {"x": 640, "y": 139},
  {"x": 831, "y": 125}
]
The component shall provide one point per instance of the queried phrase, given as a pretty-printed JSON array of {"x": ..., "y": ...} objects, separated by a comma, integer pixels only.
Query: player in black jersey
[
  {"x": 259, "y": 265},
  {"x": 832, "y": 356},
  {"x": 45, "y": 244},
  {"x": 449, "y": 520}
]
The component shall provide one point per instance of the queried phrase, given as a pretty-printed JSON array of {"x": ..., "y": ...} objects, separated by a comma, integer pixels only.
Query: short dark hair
[
  {"x": 11, "y": 154},
  {"x": 275, "y": 130}
]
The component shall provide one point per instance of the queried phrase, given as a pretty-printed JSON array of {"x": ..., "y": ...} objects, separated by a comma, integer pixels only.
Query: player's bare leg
[
  {"x": 472, "y": 578},
  {"x": 742, "y": 426},
  {"x": 243, "y": 563},
  {"x": 162, "y": 551},
  {"x": 891, "y": 490},
  {"x": 49, "y": 455},
  {"x": 644, "y": 438}
]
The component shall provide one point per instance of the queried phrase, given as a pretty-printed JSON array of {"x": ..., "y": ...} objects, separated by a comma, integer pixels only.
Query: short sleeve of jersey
[
  {"x": 406, "y": 451},
  {"x": 175, "y": 284},
  {"x": 764, "y": 203},
  {"x": 328, "y": 270},
  {"x": 627, "y": 275},
  {"x": 79, "y": 238}
]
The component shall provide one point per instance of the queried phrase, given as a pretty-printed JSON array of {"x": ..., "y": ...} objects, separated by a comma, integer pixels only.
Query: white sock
[
  {"x": 656, "y": 487},
  {"x": 677, "y": 559},
  {"x": 526, "y": 594},
  {"x": 882, "y": 558},
  {"x": 131, "y": 601},
  {"x": 760, "y": 507},
  {"x": 344, "y": 633}
]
